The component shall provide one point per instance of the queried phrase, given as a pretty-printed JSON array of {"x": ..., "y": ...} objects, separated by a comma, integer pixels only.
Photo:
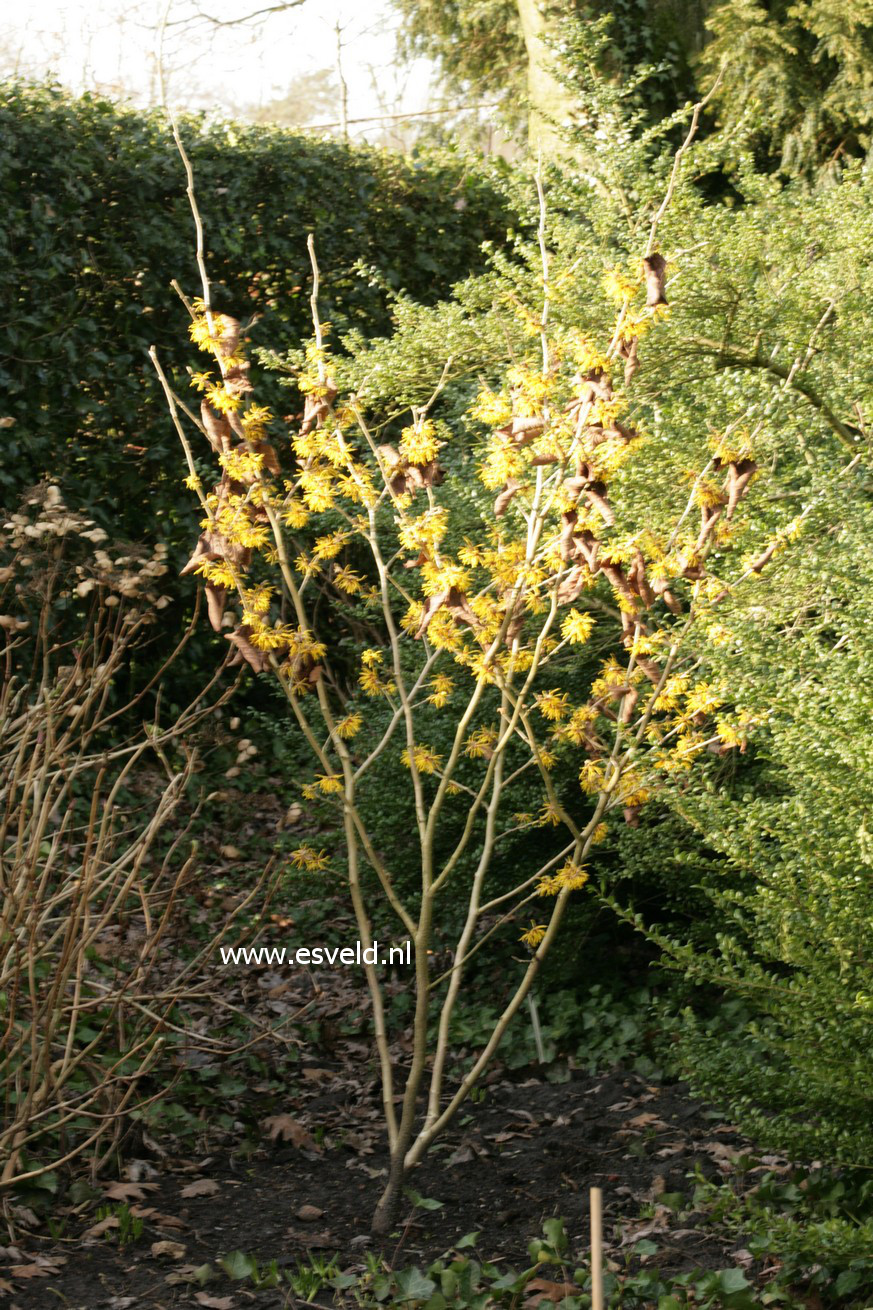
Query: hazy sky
[{"x": 111, "y": 45}]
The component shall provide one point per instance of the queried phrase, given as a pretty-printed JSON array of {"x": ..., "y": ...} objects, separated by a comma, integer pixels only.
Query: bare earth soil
[{"x": 526, "y": 1151}]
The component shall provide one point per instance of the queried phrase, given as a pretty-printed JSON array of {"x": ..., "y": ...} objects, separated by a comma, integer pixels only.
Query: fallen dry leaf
[
  {"x": 315, "y": 1075},
  {"x": 97, "y": 1230},
  {"x": 201, "y": 1187},
  {"x": 173, "y": 1250},
  {"x": 184, "y": 1274},
  {"x": 160, "y": 1220},
  {"x": 324, "y": 1239},
  {"x": 31, "y": 1271},
  {"x": 309, "y": 1213},
  {"x": 214, "y": 1302},
  {"x": 128, "y": 1191},
  {"x": 25, "y": 1216},
  {"x": 545, "y": 1289},
  {"x": 660, "y": 1223},
  {"x": 282, "y": 1128},
  {"x": 644, "y": 1121},
  {"x": 722, "y": 1154}
]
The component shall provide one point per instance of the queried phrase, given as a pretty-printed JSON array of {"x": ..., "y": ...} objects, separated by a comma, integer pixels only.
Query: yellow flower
[
  {"x": 304, "y": 857},
  {"x": 441, "y": 577},
  {"x": 425, "y": 532},
  {"x": 552, "y": 704},
  {"x": 370, "y": 681},
  {"x": 480, "y": 744},
  {"x": 419, "y": 444},
  {"x": 491, "y": 408},
  {"x": 730, "y": 735},
  {"x": 592, "y": 777},
  {"x": 549, "y": 814},
  {"x": 731, "y": 449},
  {"x": 572, "y": 875},
  {"x": 502, "y": 462},
  {"x": 412, "y": 618},
  {"x": 702, "y": 699},
  {"x": 370, "y": 658},
  {"x": 348, "y": 581},
  {"x": 330, "y": 546},
  {"x": 577, "y": 627},
  {"x": 673, "y": 688},
  {"x": 294, "y": 514},
  {"x": 618, "y": 286},
  {"x": 329, "y": 783},
  {"x": 222, "y": 400},
  {"x": 217, "y": 572},
  {"x": 258, "y": 598},
  {"x": 316, "y": 485},
  {"x": 349, "y": 726},
  {"x": 534, "y": 935}
]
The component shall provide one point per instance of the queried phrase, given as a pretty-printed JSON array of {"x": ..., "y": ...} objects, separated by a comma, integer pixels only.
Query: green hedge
[{"x": 95, "y": 226}]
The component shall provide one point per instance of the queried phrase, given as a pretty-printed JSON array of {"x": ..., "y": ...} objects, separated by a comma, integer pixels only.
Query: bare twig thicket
[{"x": 86, "y": 896}]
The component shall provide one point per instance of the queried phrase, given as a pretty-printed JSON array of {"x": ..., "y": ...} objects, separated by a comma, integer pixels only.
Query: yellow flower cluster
[
  {"x": 480, "y": 743},
  {"x": 570, "y": 877},
  {"x": 576, "y": 627},
  {"x": 553, "y": 705},
  {"x": 419, "y": 444},
  {"x": 619, "y": 287},
  {"x": 426, "y": 759},
  {"x": 425, "y": 532},
  {"x": 441, "y": 689},
  {"x": 491, "y": 408},
  {"x": 242, "y": 465},
  {"x": 305, "y": 857},
  {"x": 592, "y": 777},
  {"x": 530, "y": 390},
  {"x": 534, "y": 935}
]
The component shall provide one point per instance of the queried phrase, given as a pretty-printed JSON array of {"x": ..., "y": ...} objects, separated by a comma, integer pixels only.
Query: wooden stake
[{"x": 596, "y": 1197}]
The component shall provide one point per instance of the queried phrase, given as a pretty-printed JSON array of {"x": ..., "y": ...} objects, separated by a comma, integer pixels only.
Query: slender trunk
[
  {"x": 386, "y": 1211},
  {"x": 385, "y": 1214}
]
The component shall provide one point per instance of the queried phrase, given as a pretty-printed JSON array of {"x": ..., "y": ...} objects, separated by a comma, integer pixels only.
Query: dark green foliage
[
  {"x": 97, "y": 225},
  {"x": 478, "y": 45},
  {"x": 798, "y": 79}
]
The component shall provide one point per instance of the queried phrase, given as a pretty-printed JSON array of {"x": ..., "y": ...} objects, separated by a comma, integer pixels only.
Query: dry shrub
[{"x": 88, "y": 890}]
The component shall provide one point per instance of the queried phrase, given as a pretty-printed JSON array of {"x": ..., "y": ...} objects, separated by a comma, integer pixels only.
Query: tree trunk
[
  {"x": 385, "y": 1214},
  {"x": 551, "y": 104}
]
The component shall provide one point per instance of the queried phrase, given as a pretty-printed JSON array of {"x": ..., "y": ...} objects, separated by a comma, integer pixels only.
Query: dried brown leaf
[
  {"x": 309, "y": 1214},
  {"x": 172, "y": 1250},
  {"x": 98, "y": 1229},
  {"x": 128, "y": 1191},
  {"x": 282, "y": 1128},
  {"x": 200, "y": 1187},
  {"x": 546, "y": 1289}
]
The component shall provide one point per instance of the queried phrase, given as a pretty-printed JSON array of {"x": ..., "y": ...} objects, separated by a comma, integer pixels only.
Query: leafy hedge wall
[{"x": 96, "y": 225}]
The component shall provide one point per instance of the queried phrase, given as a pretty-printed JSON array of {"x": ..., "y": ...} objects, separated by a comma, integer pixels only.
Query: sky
[{"x": 112, "y": 46}]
